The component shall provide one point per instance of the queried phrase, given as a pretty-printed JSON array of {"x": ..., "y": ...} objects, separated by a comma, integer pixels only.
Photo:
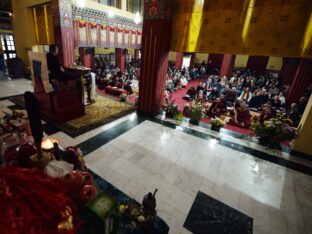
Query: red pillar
[
  {"x": 179, "y": 60},
  {"x": 214, "y": 61},
  {"x": 258, "y": 64},
  {"x": 85, "y": 57},
  {"x": 155, "y": 50},
  {"x": 120, "y": 59},
  {"x": 63, "y": 30},
  {"x": 302, "y": 79},
  {"x": 227, "y": 65}
]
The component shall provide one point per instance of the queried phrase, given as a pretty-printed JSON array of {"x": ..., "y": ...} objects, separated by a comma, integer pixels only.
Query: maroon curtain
[
  {"x": 120, "y": 58},
  {"x": 302, "y": 79},
  {"x": 288, "y": 70},
  {"x": 192, "y": 62},
  {"x": 215, "y": 61},
  {"x": 257, "y": 64}
]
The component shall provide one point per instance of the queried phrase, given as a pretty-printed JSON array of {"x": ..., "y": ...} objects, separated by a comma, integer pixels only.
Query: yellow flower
[{"x": 141, "y": 218}]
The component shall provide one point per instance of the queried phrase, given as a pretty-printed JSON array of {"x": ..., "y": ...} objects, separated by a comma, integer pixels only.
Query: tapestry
[{"x": 253, "y": 27}]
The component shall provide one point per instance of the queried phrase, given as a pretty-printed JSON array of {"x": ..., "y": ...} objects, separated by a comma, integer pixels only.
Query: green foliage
[{"x": 196, "y": 111}]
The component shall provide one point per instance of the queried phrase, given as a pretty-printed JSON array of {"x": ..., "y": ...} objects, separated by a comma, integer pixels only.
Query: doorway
[{"x": 8, "y": 46}]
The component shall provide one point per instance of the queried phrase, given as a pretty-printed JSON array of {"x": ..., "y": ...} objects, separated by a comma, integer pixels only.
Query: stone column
[
  {"x": 155, "y": 50},
  {"x": 63, "y": 30}
]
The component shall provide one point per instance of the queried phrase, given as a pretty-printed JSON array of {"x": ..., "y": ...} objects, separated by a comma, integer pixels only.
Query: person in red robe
[
  {"x": 216, "y": 109},
  {"x": 268, "y": 113},
  {"x": 241, "y": 116}
]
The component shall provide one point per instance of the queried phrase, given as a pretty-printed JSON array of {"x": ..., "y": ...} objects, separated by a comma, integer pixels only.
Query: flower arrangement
[
  {"x": 186, "y": 109},
  {"x": 123, "y": 97},
  {"x": 135, "y": 216},
  {"x": 216, "y": 124},
  {"x": 274, "y": 131},
  {"x": 171, "y": 108},
  {"x": 196, "y": 111}
]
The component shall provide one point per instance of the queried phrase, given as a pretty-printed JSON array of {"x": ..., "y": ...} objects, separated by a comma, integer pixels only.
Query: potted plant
[
  {"x": 196, "y": 112},
  {"x": 186, "y": 109},
  {"x": 123, "y": 97},
  {"x": 170, "y": 108},
  {"x": 271, "y": 133},
  {"x": 216, "y": 124}
]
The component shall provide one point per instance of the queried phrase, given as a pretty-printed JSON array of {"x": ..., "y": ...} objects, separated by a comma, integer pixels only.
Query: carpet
[
  {"x": 103, "y": 111},
  {"x": 131, "y": 99}
]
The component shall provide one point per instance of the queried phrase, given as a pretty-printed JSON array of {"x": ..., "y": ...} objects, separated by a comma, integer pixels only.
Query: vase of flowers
[
  {"x": 271, "y": 133},
  {"x": 123, "y": 97},
  {"x": 196, "y": 112},
  {"x": 171, "y": 108},
  {"x": 216, "y": 124}
]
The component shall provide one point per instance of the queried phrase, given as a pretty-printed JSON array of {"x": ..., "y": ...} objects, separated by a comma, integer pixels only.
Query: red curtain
[
  {"x": 214, "y": 61},
  {"x": 288, "y": 70},
  {"x": 302, "y": 79},
  {"x": 120, "y": 59},
  {"x": 257, "y": 64}
]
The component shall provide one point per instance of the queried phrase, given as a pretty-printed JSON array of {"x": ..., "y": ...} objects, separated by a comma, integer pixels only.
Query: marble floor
[
  {"x": 138, "y": 154},
  {"x": 152, "y": 156},
  {"x": 14, "y": 86}
]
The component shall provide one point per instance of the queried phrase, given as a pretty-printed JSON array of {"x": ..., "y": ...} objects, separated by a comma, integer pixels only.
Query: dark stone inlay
[
  {"x": 106, "y": 136},
  {"x": 244, "y": 149},
  {"x": 208, "y": 215},
  {"x": 50, "y": 128}
]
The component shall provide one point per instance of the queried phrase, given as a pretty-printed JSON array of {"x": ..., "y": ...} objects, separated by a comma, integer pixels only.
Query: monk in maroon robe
[
  {"x": 216, "y": 109},
  {"x": 241, "y": 116}
]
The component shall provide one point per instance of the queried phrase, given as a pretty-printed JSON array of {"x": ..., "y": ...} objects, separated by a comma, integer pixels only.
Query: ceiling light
[
  {"x": 10, "y": 14},
  {"x": 111, "y": 14},
  {"x": 80, "y": 3},
  {"x": 137, "y": 18}
]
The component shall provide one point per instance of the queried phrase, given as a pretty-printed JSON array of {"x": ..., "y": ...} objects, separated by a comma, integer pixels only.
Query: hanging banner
[
  {"x": 126, "y": 38},
  {"x": 103, "y": 37},
  {"x": 139, "y": 39},
  {"x": 93, "y": 35},
  {"x": 133, "y": 38},
  {"x": 119, "y": 38},
  {"x": 111, "y": 37},
  {"x": 76, "y": 33},
  {"x": 83, "y": 34}
]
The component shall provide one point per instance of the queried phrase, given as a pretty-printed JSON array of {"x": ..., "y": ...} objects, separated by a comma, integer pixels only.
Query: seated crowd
[
  {"x": 109, "y": 76},
  {"x": 238, "y": 95}
]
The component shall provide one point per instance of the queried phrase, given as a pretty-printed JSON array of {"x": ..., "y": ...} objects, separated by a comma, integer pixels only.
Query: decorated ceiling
[{"x": 255, "y": 27}]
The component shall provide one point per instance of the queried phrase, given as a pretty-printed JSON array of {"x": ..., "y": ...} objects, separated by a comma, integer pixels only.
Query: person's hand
[{"x": 62, "y": 69}]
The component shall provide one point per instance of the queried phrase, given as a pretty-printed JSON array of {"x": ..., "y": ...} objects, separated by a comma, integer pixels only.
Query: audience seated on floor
[
  {"x": 267, "y": 113},
  {"x": 256, "y": 93},
  {"x": 241, "y": 116},
  {"x": 217, "y": 108},
  {"x": 293, "y": 114}
]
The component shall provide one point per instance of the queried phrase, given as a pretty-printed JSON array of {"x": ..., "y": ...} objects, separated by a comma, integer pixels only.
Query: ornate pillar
[
  {"x": 63, "y": 30},
  {"x": 86, "y": 57},
  {"x": 302, "y": 79},
  {"x": 120, "y": 59},
  {"x": 179, "y": 60},
  {"x": 302, "y": 145},
  {"x": 155, "y": 50},
  {"x": 227, "y": 65},
  {"x": 258, "y": 64}
]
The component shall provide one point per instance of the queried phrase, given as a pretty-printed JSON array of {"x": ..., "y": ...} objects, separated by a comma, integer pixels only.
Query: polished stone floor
[
  {"x": 152, "y": 156},
  {"x": 14, "y": 86},
  {"x": 137, "y": 155}
]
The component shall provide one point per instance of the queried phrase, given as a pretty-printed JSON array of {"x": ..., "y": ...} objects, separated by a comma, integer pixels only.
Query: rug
[
  {"x": 131, "y": 99},
  {"x": 103, "y": 111}
]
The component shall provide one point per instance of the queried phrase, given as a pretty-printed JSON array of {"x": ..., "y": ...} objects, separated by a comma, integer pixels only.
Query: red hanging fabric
[
  {"x": 257, "y": 64},
  {"x": 302, "y": 79},
  {"x": 227, "y": 65},
  {"x": 214, "y": 61},
  {"x": 179, "y": 60}
]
